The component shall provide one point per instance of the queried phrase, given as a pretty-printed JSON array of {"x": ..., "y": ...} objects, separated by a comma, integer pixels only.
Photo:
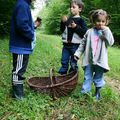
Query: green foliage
[
  {"x": 53, "y": 14},
  {"x": 37, "y": 106},
  {"x": 5, "y": 15}
]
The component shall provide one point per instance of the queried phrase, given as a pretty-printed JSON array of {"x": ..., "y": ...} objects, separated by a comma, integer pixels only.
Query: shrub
[
  {"x": 5, "y": 15},
  {"x": 53, "y": 14}
]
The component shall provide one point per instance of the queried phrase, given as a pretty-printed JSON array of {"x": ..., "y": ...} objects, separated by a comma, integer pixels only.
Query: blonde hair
[{"x": 95, "y": 13}]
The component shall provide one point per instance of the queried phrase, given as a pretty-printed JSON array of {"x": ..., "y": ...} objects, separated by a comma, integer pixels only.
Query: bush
[
  {"x": 5, "y": 15},
  {"x": 53, "y": 13},
  {"x": 57, "y": 8}
]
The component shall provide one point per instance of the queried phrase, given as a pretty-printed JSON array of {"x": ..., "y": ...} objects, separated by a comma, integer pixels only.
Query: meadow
[{"x": 38, "y": 106}]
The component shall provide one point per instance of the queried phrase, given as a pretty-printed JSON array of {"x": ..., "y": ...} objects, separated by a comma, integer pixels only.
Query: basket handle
[{"x": 52, "y": 77}]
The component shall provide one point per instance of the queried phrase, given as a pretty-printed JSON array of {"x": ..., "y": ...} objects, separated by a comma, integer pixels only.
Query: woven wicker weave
[{"x": 55, "y": 86}]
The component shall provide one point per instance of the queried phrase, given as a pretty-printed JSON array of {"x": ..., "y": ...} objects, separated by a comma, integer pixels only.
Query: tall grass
[
  {"x": 114, "y": 62},
  {"x": 36, "y": 106}
]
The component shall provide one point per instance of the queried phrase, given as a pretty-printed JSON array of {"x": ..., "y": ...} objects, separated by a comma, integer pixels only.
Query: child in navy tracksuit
[
  {"x": 73, "y": 29},
  {"x": 21, "y": 44}
]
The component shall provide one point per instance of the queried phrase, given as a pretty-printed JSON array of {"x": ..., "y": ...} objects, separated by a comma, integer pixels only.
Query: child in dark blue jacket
[
  {"x": 73, "y": 29},
  {"x": 21, "y": 39}
]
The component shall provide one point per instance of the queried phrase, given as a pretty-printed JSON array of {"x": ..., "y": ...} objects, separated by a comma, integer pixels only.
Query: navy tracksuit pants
[
  {"x": 68, "y": 58},
  {"x": 20, "y": 62}
]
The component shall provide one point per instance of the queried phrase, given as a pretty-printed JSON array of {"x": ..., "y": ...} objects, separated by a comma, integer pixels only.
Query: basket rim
[{"x": 53, "y": 85}]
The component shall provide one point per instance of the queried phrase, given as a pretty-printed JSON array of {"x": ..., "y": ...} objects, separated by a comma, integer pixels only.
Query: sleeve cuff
[{"x": 77, "y": 54}]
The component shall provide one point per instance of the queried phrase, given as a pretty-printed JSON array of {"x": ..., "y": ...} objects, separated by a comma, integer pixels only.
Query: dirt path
[{"x": 114, "y": 84}]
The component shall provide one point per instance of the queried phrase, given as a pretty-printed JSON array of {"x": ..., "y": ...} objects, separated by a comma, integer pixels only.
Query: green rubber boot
[{"x": 18, "y": 91}]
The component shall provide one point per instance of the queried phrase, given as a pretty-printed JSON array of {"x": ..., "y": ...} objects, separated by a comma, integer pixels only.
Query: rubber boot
[
  {"x": 18, "y": 91},
  {"x": 97, "y": 93}
]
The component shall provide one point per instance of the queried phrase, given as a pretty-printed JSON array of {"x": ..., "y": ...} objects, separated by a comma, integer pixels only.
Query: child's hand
[
  {"x": 64, "y": 18},
  {"x": 101, "y": 32},
  {"x": 76, "y": 58},
  {"x": 37, "y": 24},
  {"x": 103, "y": 27},
  {"x": 73, "y": 25},
  {"x": 101, "y": 35}
]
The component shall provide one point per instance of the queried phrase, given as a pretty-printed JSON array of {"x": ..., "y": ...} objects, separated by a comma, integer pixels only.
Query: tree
[
  {"x": 5, "y": 15},
  {"x": 61, "y": 7}
]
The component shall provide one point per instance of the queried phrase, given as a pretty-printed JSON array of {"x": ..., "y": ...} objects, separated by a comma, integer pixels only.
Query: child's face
[
  {"x": 75, "y": 10},
  {"x": 100, "y": 22}
]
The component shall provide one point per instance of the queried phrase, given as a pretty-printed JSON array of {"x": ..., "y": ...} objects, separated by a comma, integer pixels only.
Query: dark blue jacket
[{"x": 22, "y": 29}]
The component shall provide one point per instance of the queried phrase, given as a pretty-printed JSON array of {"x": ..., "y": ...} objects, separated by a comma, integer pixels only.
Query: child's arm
[
  {"x": 80, "y": 29},
  {"x": 64, "y": 18},
  {"x": 107, "y": 36},
  {"x": 37, "y": 24},
  {"x": 22, "y": 23},
  {"x": 63, "y": 23},
  {"x": 81, "y": 48},
  {"x": 76, "y": 58}
]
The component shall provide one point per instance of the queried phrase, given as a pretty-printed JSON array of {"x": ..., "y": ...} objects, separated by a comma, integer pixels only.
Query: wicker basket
[{"x": 55, "y": 86}]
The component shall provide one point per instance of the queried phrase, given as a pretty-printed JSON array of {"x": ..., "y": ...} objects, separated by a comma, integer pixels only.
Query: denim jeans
[
  {"x": 92, "y": 73},
  {"x": 68, "y": 58}
]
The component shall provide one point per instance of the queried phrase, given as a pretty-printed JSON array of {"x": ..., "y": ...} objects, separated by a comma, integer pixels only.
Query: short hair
[
  {"x": 95, "y": 13},
  {"x": 79, "y": 3}
]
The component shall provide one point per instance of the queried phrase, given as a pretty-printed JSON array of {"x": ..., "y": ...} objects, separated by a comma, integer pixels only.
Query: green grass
[
  {"x": 38, "y": 106},
  {"x": 114, "y": 62}
]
